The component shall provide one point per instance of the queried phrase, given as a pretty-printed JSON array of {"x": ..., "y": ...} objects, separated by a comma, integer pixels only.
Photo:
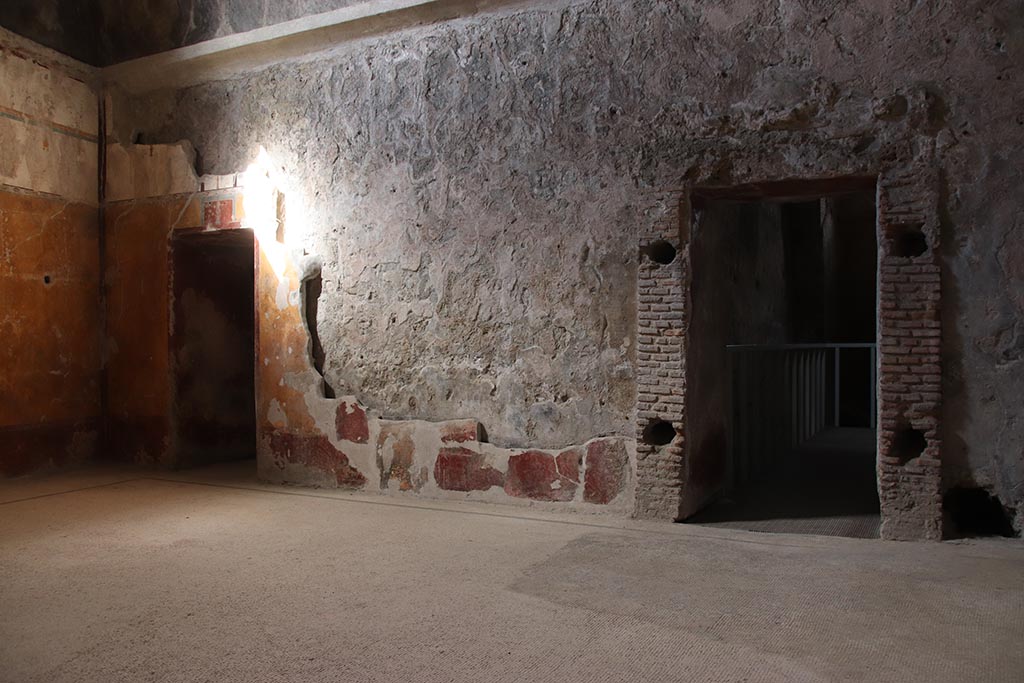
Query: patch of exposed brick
[
  {"x": 351, "y": 423},
  {"x": 318, "y": 452},
  {"x": 460, "y": 469},
  {"x": 662, "y": 322},
  {"x": 606, "y": 472},
  {"x": 910, "y": 374},
  {"x": 535, "y": 475}
]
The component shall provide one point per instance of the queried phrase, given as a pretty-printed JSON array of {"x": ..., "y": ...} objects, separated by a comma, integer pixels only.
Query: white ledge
[{"x": 231, "y": 55}]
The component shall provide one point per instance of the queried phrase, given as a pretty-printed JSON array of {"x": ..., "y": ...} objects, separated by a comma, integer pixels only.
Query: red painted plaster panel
[
  {"x": 533, "y": 474},
  {"x": 568, "y": 463},
  {"x": 460, "y": 431},
  {"x": 607, "y": 468},
  {"x": 460, "y": 469},
  {"x": 317, "y": 452},
  {"x": 351, "y": 423}
]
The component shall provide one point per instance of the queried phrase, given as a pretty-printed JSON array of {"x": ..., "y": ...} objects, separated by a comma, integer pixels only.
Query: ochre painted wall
[
  {"x": 50, "y": 327},
  {"x": 50, "y": 313},
  {"x": 136, "y": 300}
]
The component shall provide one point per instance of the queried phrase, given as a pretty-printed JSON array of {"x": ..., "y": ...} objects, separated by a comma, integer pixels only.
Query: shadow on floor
[{"x": 828, "y": 486}]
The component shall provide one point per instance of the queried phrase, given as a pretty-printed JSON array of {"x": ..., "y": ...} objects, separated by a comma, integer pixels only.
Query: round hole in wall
[
  {"x": 909, "y": 242},
  {"x": 46, "y": 279},
  {"x": 661, "y": 252},
  {"x": 907, "y": 443},
  {"x": 658, "y": 433}
]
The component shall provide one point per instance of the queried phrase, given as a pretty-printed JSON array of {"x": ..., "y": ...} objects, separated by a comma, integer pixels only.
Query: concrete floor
[{"x": 209, "y": 576}]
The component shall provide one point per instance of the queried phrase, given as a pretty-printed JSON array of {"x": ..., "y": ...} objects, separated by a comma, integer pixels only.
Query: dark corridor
[
  {"x": 213, "y": 347},
  {"x": 782, "y": 363}
]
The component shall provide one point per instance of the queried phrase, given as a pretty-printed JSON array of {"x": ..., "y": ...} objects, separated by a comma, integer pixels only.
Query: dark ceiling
[{"x": 104, "y": 32}]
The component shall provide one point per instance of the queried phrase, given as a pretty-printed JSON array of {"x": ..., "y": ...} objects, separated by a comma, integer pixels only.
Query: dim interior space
[
  {"x": 213, "y": 346},
  {"x": 511, "y": 340},
  {"x": 783, "y": 360}
]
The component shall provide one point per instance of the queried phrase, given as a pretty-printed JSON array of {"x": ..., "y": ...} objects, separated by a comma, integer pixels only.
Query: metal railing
[{"x": 782, "y": 395}]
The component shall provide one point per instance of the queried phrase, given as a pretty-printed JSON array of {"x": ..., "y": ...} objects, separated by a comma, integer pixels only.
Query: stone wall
[{"x": 476, "y": 191}]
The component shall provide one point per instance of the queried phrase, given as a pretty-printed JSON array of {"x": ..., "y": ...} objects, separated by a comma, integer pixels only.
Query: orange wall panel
[
  {"x": 136, "y": 296},
  {"x": 50, "y": 323}
]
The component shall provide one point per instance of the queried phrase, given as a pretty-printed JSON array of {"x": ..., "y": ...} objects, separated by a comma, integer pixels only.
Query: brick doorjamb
[{"x": 909, "y": 365}]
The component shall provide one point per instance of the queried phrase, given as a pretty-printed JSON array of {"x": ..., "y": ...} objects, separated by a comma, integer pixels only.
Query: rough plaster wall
[{"x": 474, "y": 189}]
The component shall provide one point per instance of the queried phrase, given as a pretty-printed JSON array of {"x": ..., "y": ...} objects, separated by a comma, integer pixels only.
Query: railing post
[
  {"x": 835, "y": 385},
  {"x": 873, "y": 408},
  {"x": 780, "y": 399}
]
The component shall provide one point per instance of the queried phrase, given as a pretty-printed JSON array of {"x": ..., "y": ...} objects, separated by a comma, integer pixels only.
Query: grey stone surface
[{"x": 475, "y": 189}]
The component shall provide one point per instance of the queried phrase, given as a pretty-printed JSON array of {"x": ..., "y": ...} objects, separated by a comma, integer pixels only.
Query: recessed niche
[
  {"x": 661, "y": 252},
  {"x": 658, "y": 433},
  {"x": 312, "y": 287},
  {"x": 908, "y": 241},
  {"x": 908, "y": 443},
  {"x": 976, "y": 512},
  {"x": 279, "y": 236}
]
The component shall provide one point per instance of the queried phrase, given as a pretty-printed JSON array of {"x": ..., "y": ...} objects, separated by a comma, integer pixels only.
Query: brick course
[
  {"x": 910, "y": 372},
  {"x": 662, "y": 320}
]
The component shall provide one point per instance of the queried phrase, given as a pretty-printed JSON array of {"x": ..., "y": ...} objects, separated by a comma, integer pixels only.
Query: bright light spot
[{"x": 273, "y": 208}]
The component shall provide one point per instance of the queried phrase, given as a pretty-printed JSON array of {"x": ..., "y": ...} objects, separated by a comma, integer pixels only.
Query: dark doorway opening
[
  {"x": 781, "y": 362},
  {"x": 213, "y": 347}
]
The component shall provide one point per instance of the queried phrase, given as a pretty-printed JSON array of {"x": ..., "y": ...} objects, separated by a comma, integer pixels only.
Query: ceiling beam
[{"x": 222, "y": 58}]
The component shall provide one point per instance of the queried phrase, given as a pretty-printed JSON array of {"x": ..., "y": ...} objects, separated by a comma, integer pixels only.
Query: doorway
[
  {"x": 212, "y": 347},
  {"x": 781, "y": 361}
]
